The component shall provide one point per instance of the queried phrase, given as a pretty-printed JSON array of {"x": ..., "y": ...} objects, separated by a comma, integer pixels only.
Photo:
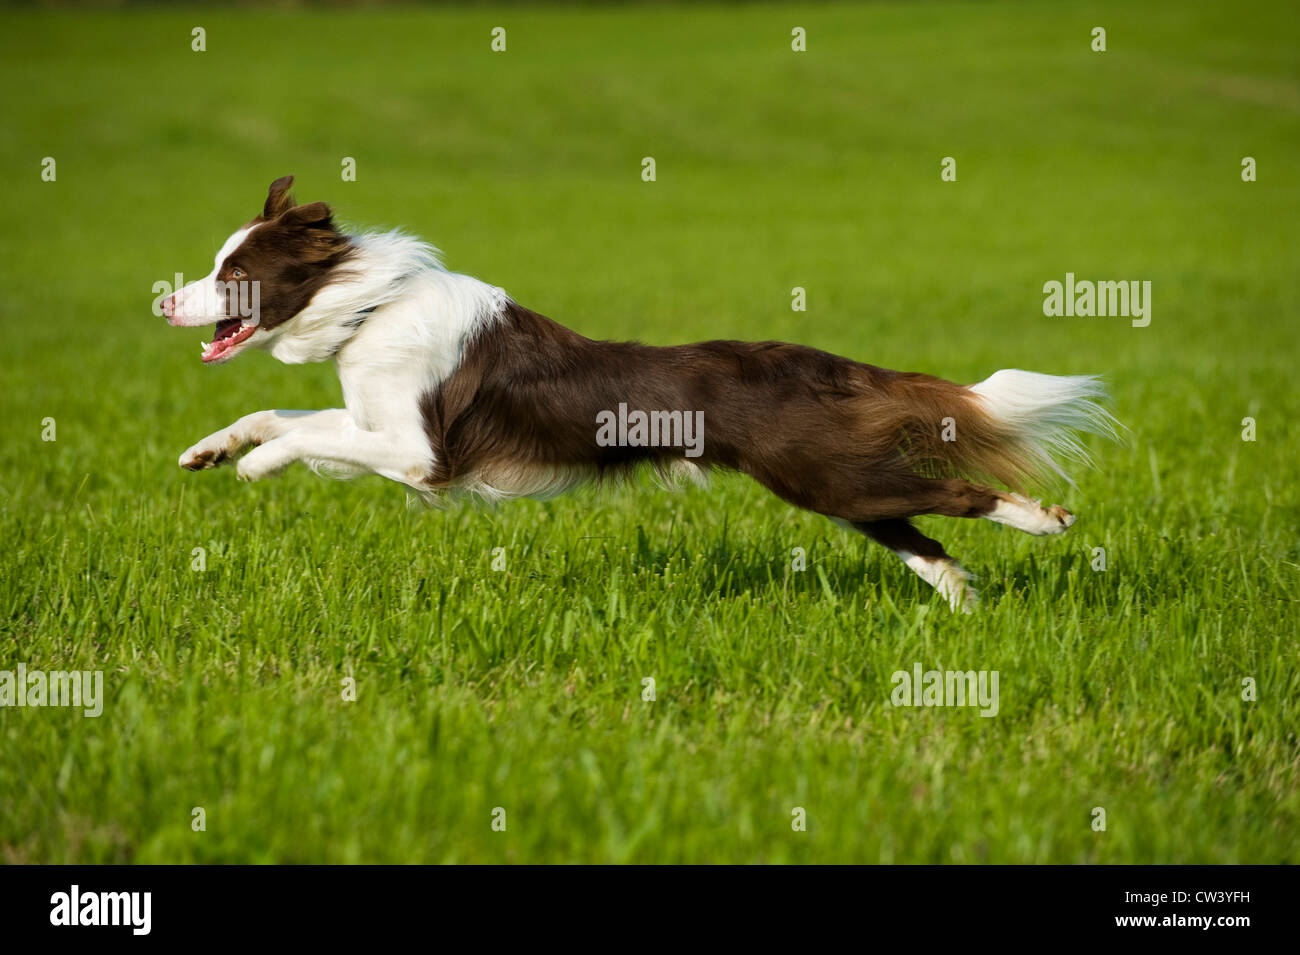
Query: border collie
[{"x": 450, "y": 385}]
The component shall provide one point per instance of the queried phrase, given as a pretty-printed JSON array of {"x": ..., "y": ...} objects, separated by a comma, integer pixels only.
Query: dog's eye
[{"x": 236, "y": 273}]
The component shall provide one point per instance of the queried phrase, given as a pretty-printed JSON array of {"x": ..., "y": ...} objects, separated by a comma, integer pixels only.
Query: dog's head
[{"x": 264, "y": 275}]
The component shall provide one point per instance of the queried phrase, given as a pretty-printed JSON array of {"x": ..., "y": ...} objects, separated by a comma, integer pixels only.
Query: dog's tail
[{"x": 1018, "y": 427}]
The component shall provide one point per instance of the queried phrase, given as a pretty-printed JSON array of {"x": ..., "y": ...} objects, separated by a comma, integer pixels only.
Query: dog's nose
[{"x": 169, "y": 306}]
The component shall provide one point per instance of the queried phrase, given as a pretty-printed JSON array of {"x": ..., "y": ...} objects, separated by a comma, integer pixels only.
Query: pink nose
[{"x": 169, "y": 306}]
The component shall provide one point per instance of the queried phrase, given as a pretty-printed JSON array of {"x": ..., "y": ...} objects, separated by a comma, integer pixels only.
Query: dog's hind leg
[
  {"x": 926, "y": 557},
  {"x": 954, "y": 497}
]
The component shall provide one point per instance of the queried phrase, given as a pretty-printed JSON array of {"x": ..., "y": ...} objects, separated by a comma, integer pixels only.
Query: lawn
[{"x": 498, "y": 657}]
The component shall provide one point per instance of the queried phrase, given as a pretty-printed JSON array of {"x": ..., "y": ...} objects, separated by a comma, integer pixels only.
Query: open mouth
[{"x": 231, "y": 333}]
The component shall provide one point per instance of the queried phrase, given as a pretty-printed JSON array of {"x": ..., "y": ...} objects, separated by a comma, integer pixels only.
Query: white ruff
[{"x": 397, "y": 283}]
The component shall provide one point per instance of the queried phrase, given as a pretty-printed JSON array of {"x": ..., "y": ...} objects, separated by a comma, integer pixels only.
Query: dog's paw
[
  {"x": 967, "y": 602},
  {"x": 1030, "y": 516},
  {"x": 201, "y": 457},
  {"x": 955, "y": 586},
  {"x": 1061, "y": 516},
  {"x": 216, "y": 449},
  {"x": 263, "y": 462}
]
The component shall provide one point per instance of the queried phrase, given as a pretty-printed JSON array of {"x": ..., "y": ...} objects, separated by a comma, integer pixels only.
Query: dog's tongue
[
  {"x": 229, "y": 333},
  {"x": 226, "y": 329}
]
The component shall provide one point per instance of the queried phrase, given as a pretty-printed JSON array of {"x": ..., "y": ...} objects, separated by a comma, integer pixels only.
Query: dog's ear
[
  {"x": 278, "y": 198},
  {"x": 317, "y": 215}
]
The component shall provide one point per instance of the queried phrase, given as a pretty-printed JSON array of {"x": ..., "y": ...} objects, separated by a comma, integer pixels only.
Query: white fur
[
  {"x": 540, "y": 482},
  {"x": 1043, "y": 410},
  {"x": 1030, "y": 516},
  {"x": 946, "y": 576}
]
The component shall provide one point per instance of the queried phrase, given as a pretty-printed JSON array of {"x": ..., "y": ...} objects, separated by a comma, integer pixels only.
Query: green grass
[{"x": 522, "y": 688}]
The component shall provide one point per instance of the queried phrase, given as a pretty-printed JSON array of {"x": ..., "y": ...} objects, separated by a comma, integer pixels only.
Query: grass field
[{"x": 522, "y": 688}]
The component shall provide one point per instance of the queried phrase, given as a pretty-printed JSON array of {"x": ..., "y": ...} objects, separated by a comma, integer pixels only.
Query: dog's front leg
[
  {"x": 338, "y": 446},
  {"x": 249, "y": 431}
]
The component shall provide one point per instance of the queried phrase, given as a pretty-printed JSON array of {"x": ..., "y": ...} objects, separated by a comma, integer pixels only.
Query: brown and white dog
[{"x": 450, "y": 385}]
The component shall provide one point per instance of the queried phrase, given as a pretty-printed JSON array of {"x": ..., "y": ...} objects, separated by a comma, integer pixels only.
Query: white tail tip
[{"x": 1046, "y": 412}]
